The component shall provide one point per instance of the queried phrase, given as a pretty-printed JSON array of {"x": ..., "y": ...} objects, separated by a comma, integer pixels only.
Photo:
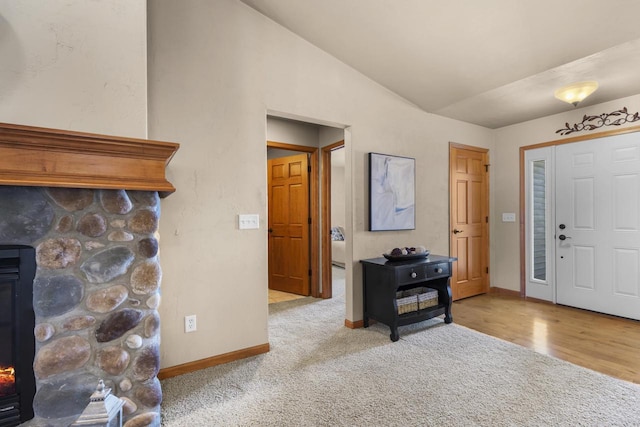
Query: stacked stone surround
[{"x": 95, "y": 296}]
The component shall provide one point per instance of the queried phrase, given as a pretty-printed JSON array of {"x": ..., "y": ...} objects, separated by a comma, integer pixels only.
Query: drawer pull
[
  {"x": 438, "y": 270},
  {"x": 413, "y": 275}
]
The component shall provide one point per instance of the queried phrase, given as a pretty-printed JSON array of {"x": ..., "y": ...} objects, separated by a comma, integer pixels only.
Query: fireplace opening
[
  {"x": 7, "y": 381},
  {"x": 17, "y": 342}
]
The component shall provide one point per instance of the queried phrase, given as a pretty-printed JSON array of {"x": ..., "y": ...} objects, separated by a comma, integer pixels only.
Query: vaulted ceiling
[{"x": 491, "y": 62}]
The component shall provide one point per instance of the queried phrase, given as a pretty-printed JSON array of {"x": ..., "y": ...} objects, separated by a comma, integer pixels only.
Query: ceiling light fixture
[{"x": 576, "y": 92}]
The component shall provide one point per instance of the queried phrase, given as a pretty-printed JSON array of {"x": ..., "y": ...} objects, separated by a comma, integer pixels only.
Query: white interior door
[{"x": 597, "y": 225}]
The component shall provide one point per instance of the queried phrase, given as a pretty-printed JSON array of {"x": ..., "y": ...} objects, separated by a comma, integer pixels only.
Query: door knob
[
  {"x": 563, "y": 237},
  {"x": 456, "y": 231}
]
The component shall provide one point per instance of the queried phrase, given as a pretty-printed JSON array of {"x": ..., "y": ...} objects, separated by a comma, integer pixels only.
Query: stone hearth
[{"x": 97, "y": 285}]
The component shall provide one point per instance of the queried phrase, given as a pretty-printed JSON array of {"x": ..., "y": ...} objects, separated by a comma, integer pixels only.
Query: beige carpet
[{"x": 319, "y": 373}]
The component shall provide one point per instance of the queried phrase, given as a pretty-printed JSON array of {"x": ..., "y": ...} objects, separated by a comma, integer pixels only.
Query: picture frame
[{"x": 391, "y": 192}]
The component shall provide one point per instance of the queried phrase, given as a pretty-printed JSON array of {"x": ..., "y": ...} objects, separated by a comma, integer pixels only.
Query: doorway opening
[
  {"x": 333, "y": 216},
  {"x": 299, "y": 209}
]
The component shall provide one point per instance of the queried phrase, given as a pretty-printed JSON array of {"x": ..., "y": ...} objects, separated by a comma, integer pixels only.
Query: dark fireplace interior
[{"x": 17, "y": 343}]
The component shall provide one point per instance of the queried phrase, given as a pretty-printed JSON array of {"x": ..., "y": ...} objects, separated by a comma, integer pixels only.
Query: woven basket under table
[{"x": 416, "y": 299}]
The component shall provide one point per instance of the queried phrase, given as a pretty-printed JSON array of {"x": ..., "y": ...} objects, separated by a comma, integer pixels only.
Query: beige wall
[
  {"x": 292, "y": 132},
  {"x": 216, "y": 70},
  {"x": 506, "y": 175},
  {"x": 77, "y": 65}
]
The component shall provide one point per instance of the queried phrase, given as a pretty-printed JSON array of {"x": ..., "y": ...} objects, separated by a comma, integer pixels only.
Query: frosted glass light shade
[{"x": 577, "y": 92}]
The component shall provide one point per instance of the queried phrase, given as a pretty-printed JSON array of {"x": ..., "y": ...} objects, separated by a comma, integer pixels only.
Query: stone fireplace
[{"x": 90, "y": 206}]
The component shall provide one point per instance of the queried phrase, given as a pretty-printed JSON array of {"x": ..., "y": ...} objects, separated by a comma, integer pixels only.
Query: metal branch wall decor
[{"x": 616, "y": 118}]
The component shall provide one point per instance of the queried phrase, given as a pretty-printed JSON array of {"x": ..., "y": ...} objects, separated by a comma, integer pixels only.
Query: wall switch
[
  {"x": 508, "y": 217},
  {"x": 190, "y": 323},
  {"x": 248, "y": 222}
]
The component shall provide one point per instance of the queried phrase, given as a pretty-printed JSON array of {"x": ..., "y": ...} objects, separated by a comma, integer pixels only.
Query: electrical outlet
[{"x": 190, "y": 323}]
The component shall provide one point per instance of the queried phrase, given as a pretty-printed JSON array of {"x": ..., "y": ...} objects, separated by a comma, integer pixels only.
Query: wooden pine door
[
  {"x": 289, "y": 265},
  {"x": 469, "y": 220}
]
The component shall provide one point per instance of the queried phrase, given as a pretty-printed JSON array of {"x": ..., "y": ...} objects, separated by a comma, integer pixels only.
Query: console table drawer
[
  {"x": 412, "y": 274},
  {"x": 423, "y": 272},
  {"x": 438, "y": 270}
]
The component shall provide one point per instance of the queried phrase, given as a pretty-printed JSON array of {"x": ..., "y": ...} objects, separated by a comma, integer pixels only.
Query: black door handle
[{"x": 563, "y": 237}]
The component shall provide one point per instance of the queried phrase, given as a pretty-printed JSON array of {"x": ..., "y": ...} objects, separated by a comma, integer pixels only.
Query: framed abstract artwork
[{"x": 392, "y": 182}]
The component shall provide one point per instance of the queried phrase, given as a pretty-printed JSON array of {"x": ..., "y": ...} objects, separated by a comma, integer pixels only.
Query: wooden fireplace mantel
[{"x": 33, "y": 156}]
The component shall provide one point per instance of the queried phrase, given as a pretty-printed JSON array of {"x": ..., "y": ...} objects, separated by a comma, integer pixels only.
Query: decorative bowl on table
[{"x": 406, "y": 253}]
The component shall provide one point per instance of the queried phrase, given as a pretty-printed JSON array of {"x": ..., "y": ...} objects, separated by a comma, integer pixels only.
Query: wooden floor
[
  {"x": 606, "y": 344},
  {"x": 279, "y": 296}
]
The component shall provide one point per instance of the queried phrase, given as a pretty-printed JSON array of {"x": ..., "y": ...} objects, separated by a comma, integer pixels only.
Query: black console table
[{"x": 382, "y": 279}]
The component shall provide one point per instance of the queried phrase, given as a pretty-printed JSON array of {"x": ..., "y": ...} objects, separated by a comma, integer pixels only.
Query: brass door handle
[{"x": 456, "y": 231}]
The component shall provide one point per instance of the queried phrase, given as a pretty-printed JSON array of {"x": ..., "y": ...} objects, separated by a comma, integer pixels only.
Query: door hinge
[
  {"x": 309, "y": 272},
  {"x": 486, "y": 167},
  {"x": 309, "y": 220},
  {"x": 309, "y": 168},
  {"x": 487, "y": 270},
  {"x": 486, "y": 219}
]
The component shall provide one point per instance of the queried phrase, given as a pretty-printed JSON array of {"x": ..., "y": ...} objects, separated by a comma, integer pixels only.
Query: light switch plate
[
  {"x": 508, "y": 217},
  {"x": 248, "y": 222}
]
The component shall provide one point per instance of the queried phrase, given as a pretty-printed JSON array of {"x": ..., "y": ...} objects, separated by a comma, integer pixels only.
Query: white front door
[{"x": 597, "y": 225}]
